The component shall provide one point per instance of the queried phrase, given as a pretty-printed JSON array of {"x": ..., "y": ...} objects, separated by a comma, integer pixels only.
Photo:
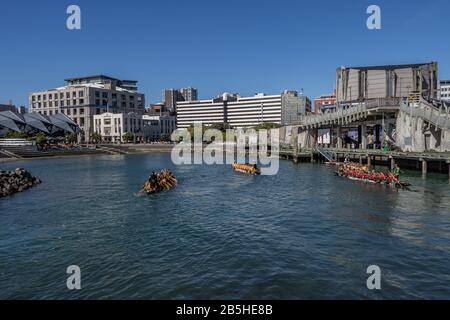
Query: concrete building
[
  {"x": 112, "y": 126},
  {"x": 444, "y": 90},
  {"x": 172, "y": 96},
  {"x": 240, "y": 111},
  {"x": 155, "y": 126},
  {"x": 83, "y": 98},
  {"x": 189, "y": 94},
  {"x": 325, "y": 102},
  {"x": 393, "y": 81}
]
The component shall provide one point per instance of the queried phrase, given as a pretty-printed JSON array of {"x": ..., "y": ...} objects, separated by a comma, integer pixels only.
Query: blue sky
[{"x": 244, "y": 46}]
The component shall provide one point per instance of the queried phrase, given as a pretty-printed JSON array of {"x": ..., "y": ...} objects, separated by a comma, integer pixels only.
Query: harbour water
[{"x": 302, "y": 234}]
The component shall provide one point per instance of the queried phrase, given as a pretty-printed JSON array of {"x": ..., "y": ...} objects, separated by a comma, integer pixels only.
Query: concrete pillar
[
  {"x": 339, "y": 137},
  {"x": 448, "y": 163},
  {"x": 360, "y": 160},
  {"x": 392, "y": 164},
  {"x": 363, "y": 136},
  {"x": 369, "y": 160},
  {"x": 424, "y": 167}
]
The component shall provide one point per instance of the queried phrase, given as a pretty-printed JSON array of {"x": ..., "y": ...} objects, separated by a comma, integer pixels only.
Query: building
[
  {"x": 8, "y": 107},
  {"x": 293, "y": 107},
  {"x": 444, "y": 90},
  {"x": 189, "y": 94},
  {"x": 325, "y": 102},
  {"x": 21, "y": 110},
  {"x": 240, "y": 111},
  {"x": 83, "y": 98},
  {"x": 112, "y": 126},
  {"x": 172, "y": 96},
  {"x": 155, "y": 126},
  {"x": 394, "y": 81}
]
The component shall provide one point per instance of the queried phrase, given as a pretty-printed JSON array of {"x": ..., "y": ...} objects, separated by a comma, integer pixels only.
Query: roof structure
[{"x": 50, "y": 125}]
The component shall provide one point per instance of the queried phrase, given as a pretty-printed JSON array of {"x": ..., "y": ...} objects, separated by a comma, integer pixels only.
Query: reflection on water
[{"x": 303, "y": 233}]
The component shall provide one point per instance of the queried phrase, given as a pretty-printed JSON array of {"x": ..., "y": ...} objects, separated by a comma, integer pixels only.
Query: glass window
[{"x": 80, "y": 94}]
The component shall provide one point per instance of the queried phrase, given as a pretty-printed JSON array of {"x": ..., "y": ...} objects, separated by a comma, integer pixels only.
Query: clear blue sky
[{"x": 244, "y": 46}]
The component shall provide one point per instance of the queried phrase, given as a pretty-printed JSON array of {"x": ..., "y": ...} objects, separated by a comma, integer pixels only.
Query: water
[{"x": 302, "y": 234}]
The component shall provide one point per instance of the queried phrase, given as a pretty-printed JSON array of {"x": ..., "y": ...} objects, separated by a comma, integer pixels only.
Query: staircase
[
  {"x": 326, "y": 154},
  {"x": 24, "y": 152},
  {"x": 436, "y": 113}
]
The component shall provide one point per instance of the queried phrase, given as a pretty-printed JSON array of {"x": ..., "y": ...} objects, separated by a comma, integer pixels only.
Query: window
[
  {"x": 56, "y": 103},
  {"x": 81, "y": 101},
  {"x": 97, "y": 94},
  {"x": 68, "y": 112},
  {"x": 68, "y": 103},
  {"x": 33, "y": 98},
  {"x": 81, "y": 121},
  {"x": 62, "y": 103},
  {"x": 67, "y": 95},
  {"x": 105, "y": 103},
  {"x": 81, "y": 110},
  {"x": 80, "y": 94},
  {"x": 44, "y": 97},
  {"x": 105, "y": 95},
  {"x": 74, "y": 102},
  {"x": 50, "y": 104},
  {"x": 61, "y": 95},
  {"x": 74, "y": 112},
  {"x": 50, "y": 96},
  {"x": 74, "y": 94},
  {"x": 97, "y": 102}
]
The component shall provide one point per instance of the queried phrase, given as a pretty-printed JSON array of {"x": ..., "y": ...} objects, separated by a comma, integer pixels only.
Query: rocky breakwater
[{"x": 19, "y": 180}]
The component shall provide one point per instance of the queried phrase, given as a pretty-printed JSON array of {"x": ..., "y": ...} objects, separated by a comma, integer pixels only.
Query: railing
[
  {"x": 15, "y": 142},
  {"x": 437, "y": 116}
]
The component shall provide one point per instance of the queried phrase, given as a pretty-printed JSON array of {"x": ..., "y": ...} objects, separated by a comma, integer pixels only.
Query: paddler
[{"x": 396, "y": 172}]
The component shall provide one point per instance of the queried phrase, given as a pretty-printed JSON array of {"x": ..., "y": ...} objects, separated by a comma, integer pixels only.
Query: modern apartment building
[
  {"x": 172, "y": 96},
  {"x": 83, "y": 98},
  {"x": 240, "y": 111},
  {"x": 444, "y": 90},
  {"x": 112, "y": 126}
]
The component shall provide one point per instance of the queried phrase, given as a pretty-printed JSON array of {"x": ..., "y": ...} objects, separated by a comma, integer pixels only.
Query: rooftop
[{"x": 391, "y": 67}]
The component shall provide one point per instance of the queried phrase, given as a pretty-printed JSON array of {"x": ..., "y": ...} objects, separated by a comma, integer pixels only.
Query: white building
[
  {"x": 444, "y": 90},
  {"x": 240, "y": 111},
  {"x": 112, "y": 126},
  {"x": 155, "y": 126}
]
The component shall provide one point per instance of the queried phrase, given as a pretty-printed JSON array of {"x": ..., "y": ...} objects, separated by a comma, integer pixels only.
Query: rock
[{"x": 15, "y": 181}]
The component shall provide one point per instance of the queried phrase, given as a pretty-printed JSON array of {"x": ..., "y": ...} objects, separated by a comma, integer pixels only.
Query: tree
[
  {"x": 165, "y": 137},
  {"x": 267, "y": 126},
  {"x": 128, "y": 137},
  {"x": 16, "y": 135},
  {"x": 72, "y": 138},
  {"x": 96, "y": 137},
  {"x": 40, "y": 138}
]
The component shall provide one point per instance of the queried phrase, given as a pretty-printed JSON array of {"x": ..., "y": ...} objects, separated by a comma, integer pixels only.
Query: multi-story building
[
  {"x": 112, "y": 126},
  {"x": 8, "y": 107},
  {"x": 325, "y": 102},
  {"x": 172, "y": 96},
  {"x": 189, "y": 94},
  {"x": 240, "y": 111},
  {"x": 379, "y": 82},
  {"x": 444, "y": 90},
  {"x": 155, "y": 126},
  {"x": 83, "y": 98}
]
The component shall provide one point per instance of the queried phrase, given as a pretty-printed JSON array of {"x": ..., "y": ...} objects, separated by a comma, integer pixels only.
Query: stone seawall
[{"x": 19, "y": 180}]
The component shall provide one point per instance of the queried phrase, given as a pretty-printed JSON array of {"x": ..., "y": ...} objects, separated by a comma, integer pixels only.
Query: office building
[
  {"x": 83, "y": 98},
  {"x": 157, "y": 125},
  {"x": 240, "y": 111}
]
